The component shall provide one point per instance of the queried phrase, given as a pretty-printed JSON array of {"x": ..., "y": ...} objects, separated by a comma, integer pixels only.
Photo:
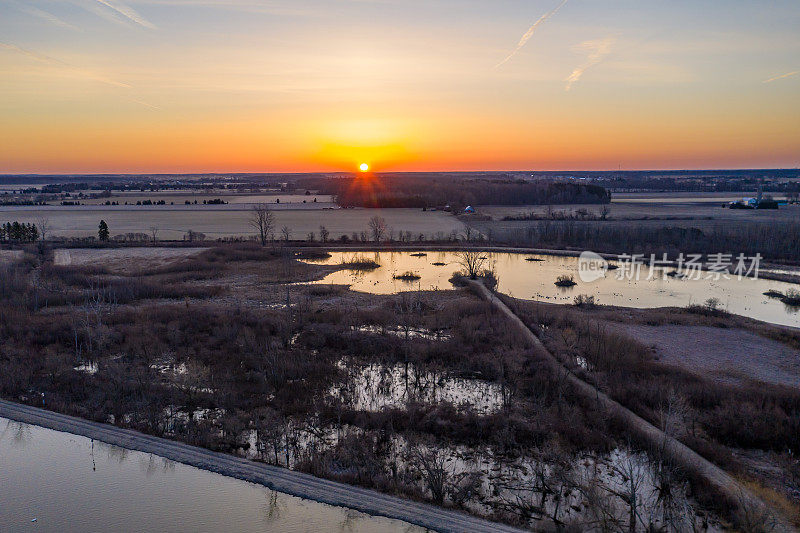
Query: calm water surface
[
  {"x": 534, "y": 280},
  {"x": 69, "y": 483}
]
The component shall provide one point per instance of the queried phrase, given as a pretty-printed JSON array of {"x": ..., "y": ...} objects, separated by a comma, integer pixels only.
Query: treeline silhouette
[
  {"x": 772, "y": 241},
  {"x": 18, "y": 232},
  {"x": 412, "y": 191}
]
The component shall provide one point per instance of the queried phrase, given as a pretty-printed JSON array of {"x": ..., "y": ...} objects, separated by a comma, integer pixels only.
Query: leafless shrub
[
  {"x": 430, "y": 464},
  {"x": 472, "y": 261}
]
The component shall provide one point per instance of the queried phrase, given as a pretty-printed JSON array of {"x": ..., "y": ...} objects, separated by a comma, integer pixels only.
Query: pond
[
  {"x": 532, "y": 277},
  {"x": 53, "y": 481}
]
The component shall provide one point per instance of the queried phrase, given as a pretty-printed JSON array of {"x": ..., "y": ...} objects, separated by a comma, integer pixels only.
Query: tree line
[
  {"x": 18, "y": 232},
  {"x": 419, "y": 192},
  {"x": 779, "y": 240}
]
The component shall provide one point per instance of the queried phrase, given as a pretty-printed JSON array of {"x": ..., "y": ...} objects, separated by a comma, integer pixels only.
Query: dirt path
[
  {"x": 717, "y": 480},
  {"x": 276, "y": 478}
]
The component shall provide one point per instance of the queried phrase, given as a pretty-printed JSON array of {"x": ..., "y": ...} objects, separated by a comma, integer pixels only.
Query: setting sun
[{"x": 363, "y": 167}]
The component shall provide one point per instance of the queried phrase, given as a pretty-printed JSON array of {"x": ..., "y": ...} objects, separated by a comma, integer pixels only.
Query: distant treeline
[
  {"x": 18, "y": 232},
  {"x": 17, "y": 202},
  {"x": 772, "y": 241},
  {"x": 700, "y": 184},
  {"x": 420, "y": 192}
]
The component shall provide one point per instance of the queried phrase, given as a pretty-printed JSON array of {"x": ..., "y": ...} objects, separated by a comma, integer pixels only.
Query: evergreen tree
[
  {"x": 102, "y": 231},
  {"x": 16, "y": 231}
]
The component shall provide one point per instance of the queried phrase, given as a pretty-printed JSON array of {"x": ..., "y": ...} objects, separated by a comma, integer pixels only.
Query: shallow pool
[{"x": 535, "y": 280}]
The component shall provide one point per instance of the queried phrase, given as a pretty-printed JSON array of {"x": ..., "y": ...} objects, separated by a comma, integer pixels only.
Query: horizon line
[{"x": 346, "y": 172}]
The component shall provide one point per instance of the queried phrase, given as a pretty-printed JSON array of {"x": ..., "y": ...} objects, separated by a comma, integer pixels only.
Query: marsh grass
[
  {"x": 408, "y": 275},
  {"x": 565, "y": 280},
  {"x": 359, "y": 263},
  {"x": 791, "y": 298}
]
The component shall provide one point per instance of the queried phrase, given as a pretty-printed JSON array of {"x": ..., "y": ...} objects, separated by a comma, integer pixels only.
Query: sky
[{"x": 137, "y": 86}]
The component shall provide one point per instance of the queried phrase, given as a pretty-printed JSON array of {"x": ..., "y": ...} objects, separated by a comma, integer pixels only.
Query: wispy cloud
[
  {"x": 597, "y": 51},
  {"x": 528, "y": 34},
  {"x": 74, "y": 71},
  {"x": 782, "y": 76},
  {"x": 127, "y": 12},
  {"x": 45, "y": 15}
]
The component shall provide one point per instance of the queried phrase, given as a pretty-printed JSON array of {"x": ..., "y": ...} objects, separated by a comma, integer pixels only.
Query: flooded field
[
  {"x": 540, "y": 487},
  {"x": 535, "y": 280},
  {"x": 52, "y": 481},
  {"x": 375, "y": 387}
]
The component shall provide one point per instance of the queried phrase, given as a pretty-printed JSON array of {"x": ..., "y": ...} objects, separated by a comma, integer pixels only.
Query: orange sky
[{"x": 250, "y": 86}]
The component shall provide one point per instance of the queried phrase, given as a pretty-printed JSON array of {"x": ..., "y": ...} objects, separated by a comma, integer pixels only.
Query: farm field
[
  {"x": 658, "y": 211},
  {"x": 228, "y": 221},
  {"x": 679, "y": 197},
  {"x": 648, "y": 227}
]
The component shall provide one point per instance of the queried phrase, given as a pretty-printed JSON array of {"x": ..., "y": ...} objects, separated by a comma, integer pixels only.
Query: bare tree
[
  {"x": 43, "y": 223},
  {"x": 408, "y": 307},
  {"x": 154, "y": 233},
  {"x": 263, "y": 220},
  {"x": 377, "y": 226},
  {"x": 632, "y": 470},
  {"x": 472, "y": 261},
  {"x": 286, "y": 232},
  {"x": 430, "y": 464},
  {"x": 324, "y": 234}
]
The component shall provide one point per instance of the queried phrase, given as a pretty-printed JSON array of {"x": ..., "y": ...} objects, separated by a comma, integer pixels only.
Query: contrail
[
  {"x": 528, "y": 34},
  {"x": 128, "y": 13},
  {"x": 58, "y": 63},
  {"x": 46, "y": 15},
  {"x": 33, "y": 55},
  {"x": 142, "y": 102},
  {"x": 85, "y": 74},
  {"x": 787, "y": 75},
  {"x": 598, "y": 50}
]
